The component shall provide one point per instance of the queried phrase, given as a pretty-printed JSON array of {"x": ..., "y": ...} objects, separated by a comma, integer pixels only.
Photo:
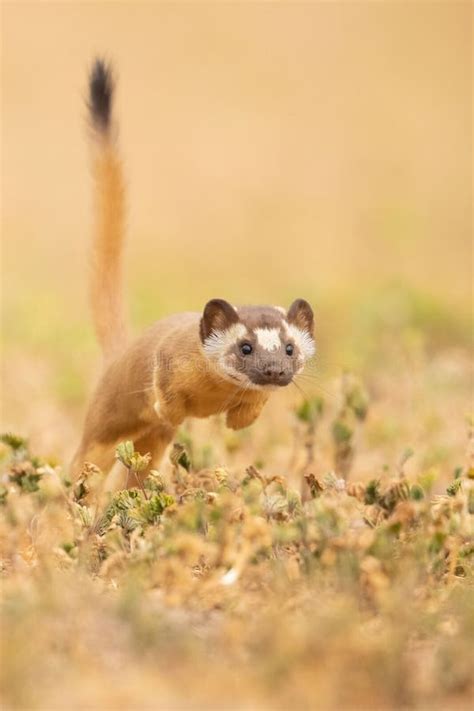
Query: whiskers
[
  {"x": 142, "y": 390},
  {"x": 312, "y": 380},
  {"x": 298, "y": 387}
]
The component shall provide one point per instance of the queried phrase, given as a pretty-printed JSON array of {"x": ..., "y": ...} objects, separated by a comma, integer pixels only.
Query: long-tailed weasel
[{"x": 225, "y": 359}]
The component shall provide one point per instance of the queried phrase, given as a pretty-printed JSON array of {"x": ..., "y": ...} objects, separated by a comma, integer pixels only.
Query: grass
[{"x": 228, "y": 587}]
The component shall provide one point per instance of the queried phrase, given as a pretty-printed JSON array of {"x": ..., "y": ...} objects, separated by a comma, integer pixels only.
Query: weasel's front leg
[
  {"x": 169, "y": 413},
  {"x": 153, "y": 442},
  {"x": 243, "y": 415}
]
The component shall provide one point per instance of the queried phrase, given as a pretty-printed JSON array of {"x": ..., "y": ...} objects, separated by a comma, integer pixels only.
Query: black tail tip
[{"x": 101, "y": 89}]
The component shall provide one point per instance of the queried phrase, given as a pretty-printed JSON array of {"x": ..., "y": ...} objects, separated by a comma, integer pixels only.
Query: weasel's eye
[
  {"x": 246, "y": 349},
  {"x": 289, "y": 349}
]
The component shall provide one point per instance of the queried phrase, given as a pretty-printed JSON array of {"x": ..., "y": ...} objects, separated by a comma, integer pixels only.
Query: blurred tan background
[{"x": 272, "y": 150}]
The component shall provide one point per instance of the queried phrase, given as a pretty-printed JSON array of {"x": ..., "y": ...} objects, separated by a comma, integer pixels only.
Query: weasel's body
[{"x": 224, "y": 360}]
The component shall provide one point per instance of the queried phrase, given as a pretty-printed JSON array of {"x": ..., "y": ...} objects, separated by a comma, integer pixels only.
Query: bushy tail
[{"x": 106, "y": 269}]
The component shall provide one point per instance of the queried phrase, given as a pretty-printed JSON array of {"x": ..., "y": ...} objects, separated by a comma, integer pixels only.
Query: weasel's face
[{"x": 258, "y": 346}]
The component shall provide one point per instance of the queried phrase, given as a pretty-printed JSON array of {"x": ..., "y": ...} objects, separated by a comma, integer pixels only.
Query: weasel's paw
[{"x": 239, "y": 418}]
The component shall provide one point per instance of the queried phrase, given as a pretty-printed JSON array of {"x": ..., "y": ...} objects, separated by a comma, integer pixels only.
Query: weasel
[{"x": 226, "y": 359}]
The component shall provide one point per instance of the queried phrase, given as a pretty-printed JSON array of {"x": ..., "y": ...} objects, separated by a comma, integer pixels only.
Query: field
[{"x": 321, "y": 559}]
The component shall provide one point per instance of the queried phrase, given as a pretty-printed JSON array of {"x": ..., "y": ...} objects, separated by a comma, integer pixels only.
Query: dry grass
[{"x": 219, "y": 588}]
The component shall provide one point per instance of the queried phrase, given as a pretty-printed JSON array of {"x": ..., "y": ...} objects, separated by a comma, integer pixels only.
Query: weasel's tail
[{"x": 106, "y": 270}]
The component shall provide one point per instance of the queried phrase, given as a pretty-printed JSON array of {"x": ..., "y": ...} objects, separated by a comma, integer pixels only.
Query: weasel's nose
[{"x": 274, "y": 373}]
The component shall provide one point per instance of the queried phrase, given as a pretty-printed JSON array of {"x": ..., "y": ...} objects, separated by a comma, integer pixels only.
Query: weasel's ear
[
  {"x": 300, "y": 314},
  {"x": 218, "y": 315}
]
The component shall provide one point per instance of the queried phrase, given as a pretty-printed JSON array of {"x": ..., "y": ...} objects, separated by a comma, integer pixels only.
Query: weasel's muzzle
[{"x": 272, "y": 373}]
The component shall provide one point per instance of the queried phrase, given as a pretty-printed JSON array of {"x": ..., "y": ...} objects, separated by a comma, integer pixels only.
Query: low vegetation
[{"x": 227, "y": 588}]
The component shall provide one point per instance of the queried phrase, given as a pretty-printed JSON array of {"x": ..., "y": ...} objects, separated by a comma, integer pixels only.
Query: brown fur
[
  {"x": 106, "y": 272},
  {"x": 171, "y": 372},
  {"x": 158, "y": 381}
]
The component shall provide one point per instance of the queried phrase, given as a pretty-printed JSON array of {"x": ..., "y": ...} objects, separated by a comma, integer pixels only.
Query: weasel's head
[{"x": 258, "y": 346}]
